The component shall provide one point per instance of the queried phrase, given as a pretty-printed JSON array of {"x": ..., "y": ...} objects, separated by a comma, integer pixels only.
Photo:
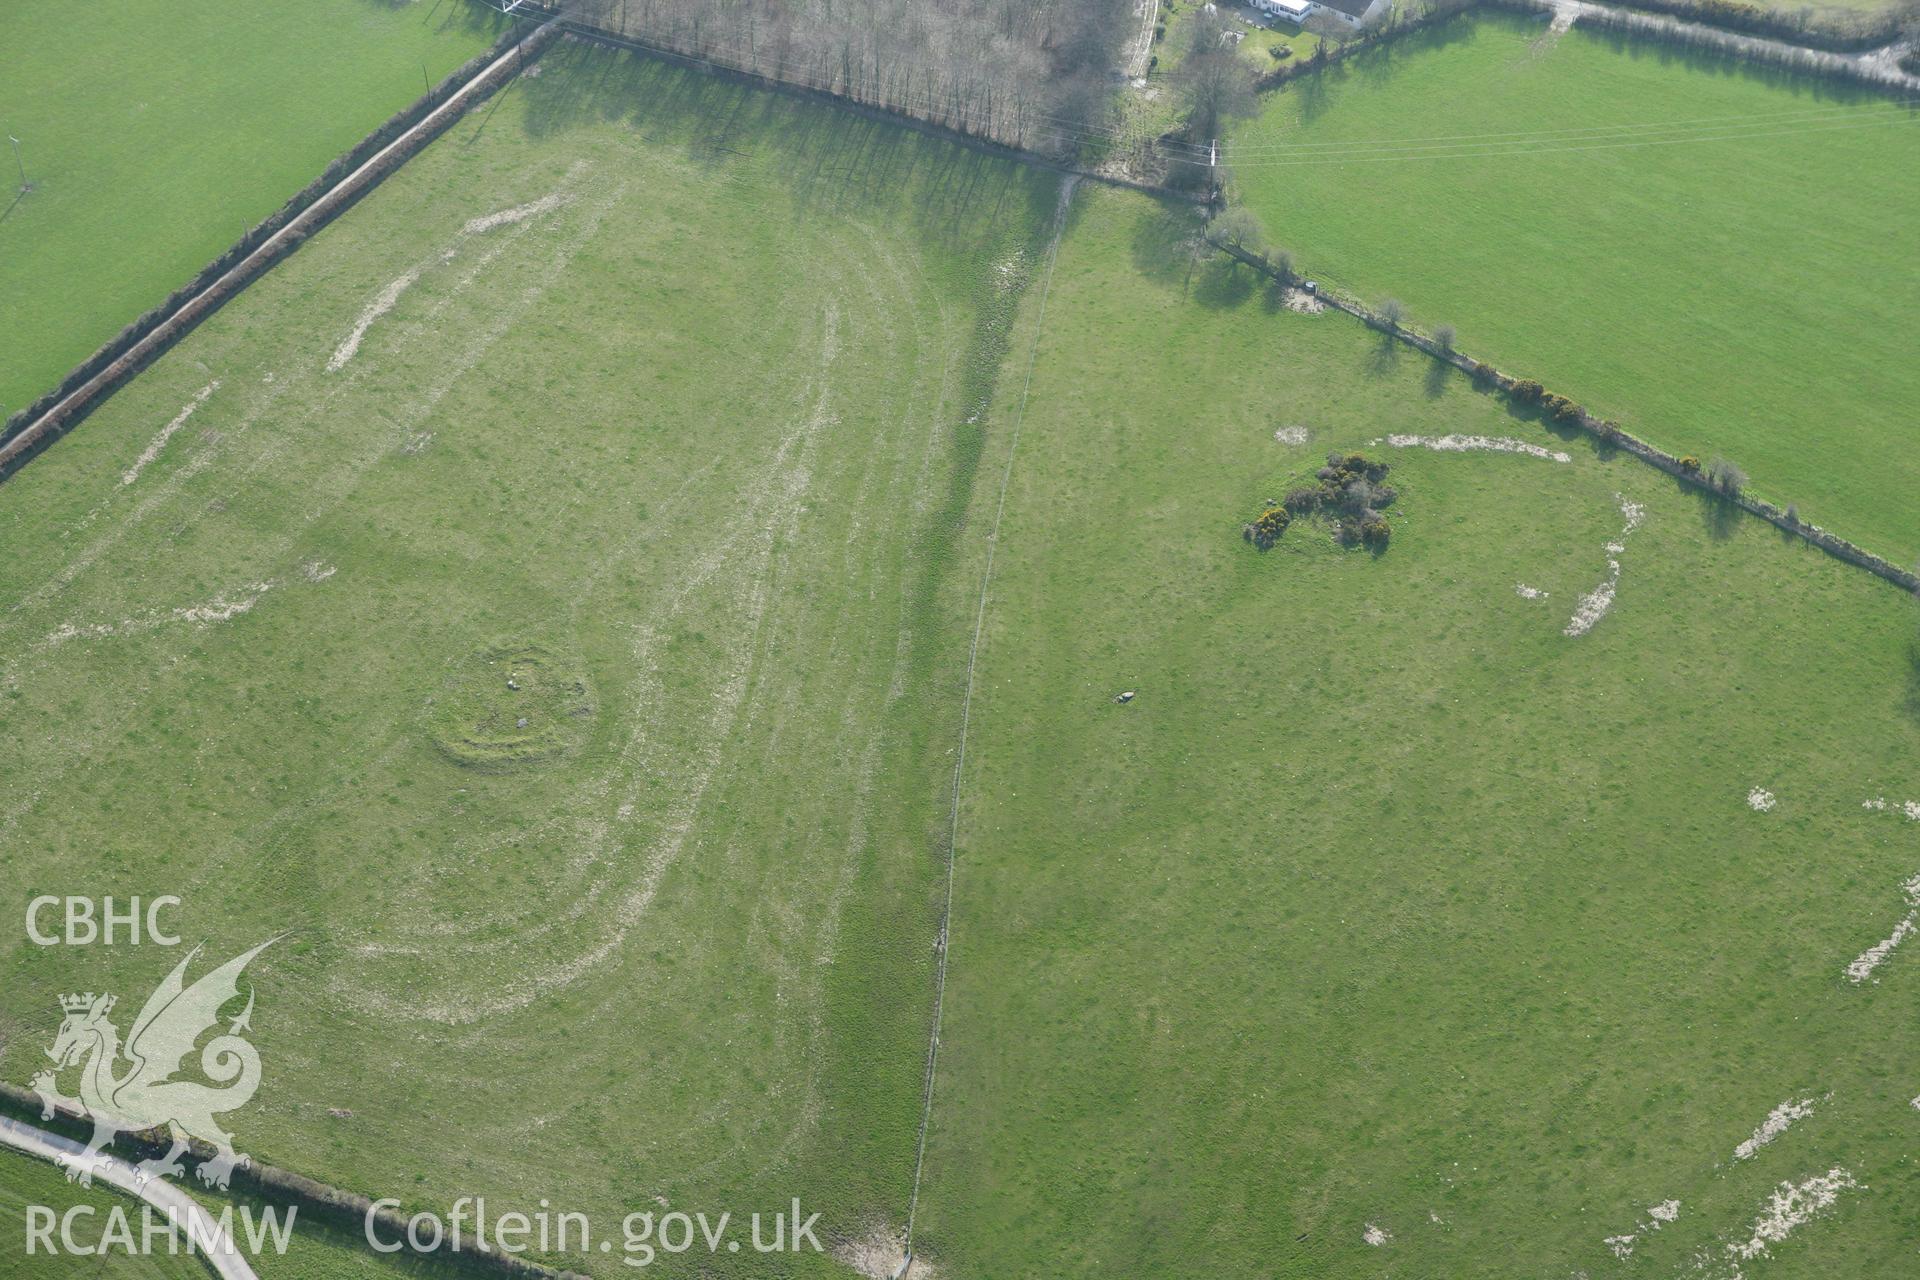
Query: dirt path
[
  {"x": 1140, "y": 52},
  {"x": 1886, "y": 60},
  {"x": 224, "y": 1258},
  {"x": 1881, "y": 65}
]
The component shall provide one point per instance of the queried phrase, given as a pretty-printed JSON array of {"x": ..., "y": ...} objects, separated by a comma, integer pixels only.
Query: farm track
[
  {"x": 1882, "y": 64},
  {"x": 225, "y": 1260},
  {"x": 1141, "y": 53}
]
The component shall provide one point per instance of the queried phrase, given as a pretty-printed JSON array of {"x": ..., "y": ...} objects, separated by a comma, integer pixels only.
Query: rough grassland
[
  {"x": 680, "y": 448},
  {"x": 154, "y": 133},
  {"x": 1719, "y": 296},
  {"x": 1384, "y": 898}
]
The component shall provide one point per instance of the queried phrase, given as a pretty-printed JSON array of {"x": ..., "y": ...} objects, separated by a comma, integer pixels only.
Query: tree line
[{"x": 1035, "y": 74}]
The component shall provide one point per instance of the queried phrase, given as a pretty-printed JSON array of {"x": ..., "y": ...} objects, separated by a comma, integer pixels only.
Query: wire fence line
[{"x": 945, "y": 939}]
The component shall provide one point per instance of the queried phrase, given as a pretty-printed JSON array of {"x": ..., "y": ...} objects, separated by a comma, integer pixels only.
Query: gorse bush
[
  {"x": 1343, "y": 467},
  {"x": 1562, "y": 409},
  {"x": 1351, "y": 492},
  {"x": 1267, "y": 528}
]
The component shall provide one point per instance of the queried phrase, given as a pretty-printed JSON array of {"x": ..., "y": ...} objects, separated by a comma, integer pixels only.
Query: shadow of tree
[
  {"x": 1374, "y": 65},
  {"x": 1383, "y": 361},
  {"x": 1720, "y": 518},
  {"x": 452, "y": 15},
  {"x": 1222, "y": 282},
  {"x": 1725, "y": 64},
  {"x": 1167, "y": 245},
  {"x": 827, "y": 159}
]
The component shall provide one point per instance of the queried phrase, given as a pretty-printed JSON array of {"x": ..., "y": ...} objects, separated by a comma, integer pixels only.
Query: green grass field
[
  {"x": 26, "y": 1182},
  {"x": 546, "y": 600},
  {"x": 154, "y": 134},
  {"x": 315, "y": 1251},
  {"x": 1711, "y": 290},
  {"x": 570, "y": 672},
  {"x": 1385, "y": 902}
]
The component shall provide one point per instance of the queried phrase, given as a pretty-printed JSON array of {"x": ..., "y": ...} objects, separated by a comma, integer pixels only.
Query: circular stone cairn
[{"x": 511, "y": 707}]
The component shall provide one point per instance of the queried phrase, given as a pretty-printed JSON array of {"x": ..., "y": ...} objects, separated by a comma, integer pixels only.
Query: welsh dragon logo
[{"x": 131, "y": 1087}]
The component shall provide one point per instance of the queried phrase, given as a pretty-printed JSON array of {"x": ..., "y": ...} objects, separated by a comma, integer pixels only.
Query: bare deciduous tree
[
  {"x": 1216, "y": 84},
  {"x": 1033, "y": 75},
  {"x": 1239, "y": 227},
  {"x": 1726, "y": 477}
]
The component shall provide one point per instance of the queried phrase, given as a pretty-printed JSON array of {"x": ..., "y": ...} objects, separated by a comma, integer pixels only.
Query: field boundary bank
[
  {"x": 366, "y": 164},
  {"x": 1865, "y": 67},
  {"x": 1605, "y": 433},
  {"x": 840, "y": 102},
  {"x": 347, "y": 1210}
]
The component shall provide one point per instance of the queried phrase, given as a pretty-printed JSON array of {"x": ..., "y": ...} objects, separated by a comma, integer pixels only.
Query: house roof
[{"x": 1352, "y": 8}]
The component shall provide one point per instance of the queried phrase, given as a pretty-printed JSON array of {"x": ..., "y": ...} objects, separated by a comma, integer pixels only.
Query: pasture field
[
  {"x": 25, "y": 1181},
  {"x": 1660, "y": 236},
  {"x": 314, "y": 1252},
  {"x": 1386, "y": 904},
  {"x": 545, "y": 620},
  {"x": 155, "y": 133}
]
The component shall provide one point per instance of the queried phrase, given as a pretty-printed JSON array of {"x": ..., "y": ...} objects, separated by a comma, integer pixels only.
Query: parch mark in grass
[{"x": 511, "y": 707}]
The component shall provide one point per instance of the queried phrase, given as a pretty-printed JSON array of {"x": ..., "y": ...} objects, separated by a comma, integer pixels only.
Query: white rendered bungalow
[{"x": 1354, "y": 13}]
